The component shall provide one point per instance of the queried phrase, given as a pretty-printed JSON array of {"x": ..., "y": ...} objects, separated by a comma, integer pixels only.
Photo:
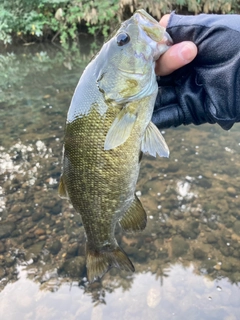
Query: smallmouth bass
[{"x": 108, "y": 128}]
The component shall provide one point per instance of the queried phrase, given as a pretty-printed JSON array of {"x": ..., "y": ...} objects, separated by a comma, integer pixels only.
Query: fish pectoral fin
[
  {"x": 135, "y": 219},
  {"x": 120, "y": 129},
  {"x": 99, "y": 262},
  {"x": 62, "y": 190},
  {"x": 153, "y": 142}
]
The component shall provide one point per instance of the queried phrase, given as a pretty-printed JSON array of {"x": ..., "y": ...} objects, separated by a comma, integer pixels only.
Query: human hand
[{"x": 208, "y": 88}]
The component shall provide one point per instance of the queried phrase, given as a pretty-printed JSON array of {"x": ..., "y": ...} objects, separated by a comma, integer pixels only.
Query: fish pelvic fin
[
  {"x": 153, "y": 142},
  {"x": 62, "y": 192},
  {"x": 99, "y": 262},
  {"x": 135, "y": 219}
]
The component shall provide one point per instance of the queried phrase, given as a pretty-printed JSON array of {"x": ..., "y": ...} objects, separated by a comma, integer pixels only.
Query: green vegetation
[{"x": 62, "y": 20}]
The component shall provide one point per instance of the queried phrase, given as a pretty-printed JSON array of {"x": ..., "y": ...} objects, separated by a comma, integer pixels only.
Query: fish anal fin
[
  {"x": 121, "y": 128},
  {"x": 153, "y": 142},
  {"x": 101, "y": 261},
  {"x": 62, "y": 192},
  {"x": 135, "y": 219}
]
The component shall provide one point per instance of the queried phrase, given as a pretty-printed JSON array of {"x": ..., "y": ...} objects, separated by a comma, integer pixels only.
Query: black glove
[{"x": 207, "y": 89}]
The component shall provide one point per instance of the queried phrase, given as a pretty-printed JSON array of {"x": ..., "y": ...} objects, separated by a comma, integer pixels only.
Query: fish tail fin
[{"x": 99, "y": 262}]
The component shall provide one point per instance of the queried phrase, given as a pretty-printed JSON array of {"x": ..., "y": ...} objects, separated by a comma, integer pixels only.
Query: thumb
[{"x": 176, "y": 57}]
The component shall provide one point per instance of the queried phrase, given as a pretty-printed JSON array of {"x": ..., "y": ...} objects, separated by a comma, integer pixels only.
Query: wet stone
[
  {"x": 9, "y": 261},
  {"x": 141, "y": 256},
  {"x": 39, "y": 232},
  {"x": 204, "y": 183},
  {"x": 77, "y": 219},
  {"x": 2, "y": 247},
  {"x": 37, "y": 247},
  {"x": 81, "y": 250},
  {"x": 179, "y": 246},
  {"x": 177, "y": 215},
  {"x": 72, "y": 250},
  {"x": 228, "y": 224},
  {"x": 173, "y": 167},
  {"x": 21, "y": 197},
  {"x": 2, "y": 261},
  {"x": 74, "y": 267},
  {"x": 28, "y": 243},
  {"x": 16, "y": 209},
  {"x": 49, "y": 221},
  {"x": 59, "y": 227},
  {"x": 195, "y": 213},
  {"x": 212, "y": 225},
  {"x": 29, "y": 235},
  {"x": 55, "y": 247},
  {"x": 132, "y": 251},
  {"x": 163, "y": 254},
  {"x": 2, "y": 272},
  {"x": 56, "y": 209},
  {"x": 27, "y": 226},
  {"x": 189, "y": 232},
  {"x": 26, "y": 213},
  {"x": 6, "y": 228},
  {"x": 236, "y": 253},
  {"x": 225, "y": 250},
  {"x": 226, "y": 266},
  {"x": 199, "y": 254},
  {"x": 38, "y": 214},
  {"x": 53, "y": 207},
  {"x": 211, "y": 238},
  {"x": 236, "y": 227},
  {"x": 210, "y": 265}
]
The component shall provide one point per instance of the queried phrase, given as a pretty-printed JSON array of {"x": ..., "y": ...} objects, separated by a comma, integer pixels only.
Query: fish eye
[{"x": 122, "y": 39}]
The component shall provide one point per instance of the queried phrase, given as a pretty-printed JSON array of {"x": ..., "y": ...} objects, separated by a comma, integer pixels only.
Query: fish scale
[{"x": 108, "y": 128}]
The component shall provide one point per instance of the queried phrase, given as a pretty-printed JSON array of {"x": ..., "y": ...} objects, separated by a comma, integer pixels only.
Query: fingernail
[{"x": 187, "y": 52}]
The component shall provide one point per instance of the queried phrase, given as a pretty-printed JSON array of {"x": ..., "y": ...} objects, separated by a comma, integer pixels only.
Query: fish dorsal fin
[
  {"x": 153, "y": 142},
  {"x": 62, "y": 190},
  {"x": 135, "y": 219},
  {"x": 121, "y": 128}
]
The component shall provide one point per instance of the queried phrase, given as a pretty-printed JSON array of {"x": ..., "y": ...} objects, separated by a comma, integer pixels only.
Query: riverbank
[{"x": 27, "y": 21}]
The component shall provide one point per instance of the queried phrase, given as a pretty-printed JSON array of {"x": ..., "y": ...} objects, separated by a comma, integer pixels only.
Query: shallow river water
[{"x": 187, "y": 260}]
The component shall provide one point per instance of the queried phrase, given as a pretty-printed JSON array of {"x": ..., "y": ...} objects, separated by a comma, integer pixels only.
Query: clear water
[{"x": 187, "y": 260}]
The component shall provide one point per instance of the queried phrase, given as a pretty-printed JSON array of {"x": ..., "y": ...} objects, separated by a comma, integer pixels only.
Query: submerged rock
[
  {"x": 55, "y": 247},
  {"x": 236, "y": 227},
  {"x": 2, "y": 247},
  {"x": 2, "y": 272},
  {"x": 199, "y": 254},
  {"x": 211, "y": 238},
  {"x": 39, "y": 214},
  {"x": 6, "y": 228},
  {"x": 37, "y": 247},
  {"x": 231, "y": 191},
  {"x": 179, "y": 246},
  {"x": 74, "y": 267}
]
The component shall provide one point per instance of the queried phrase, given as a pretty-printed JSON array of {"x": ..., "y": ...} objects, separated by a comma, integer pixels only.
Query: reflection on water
[
  {"x": 184, "y": 295},
  {"x": 187, "y": 260}
]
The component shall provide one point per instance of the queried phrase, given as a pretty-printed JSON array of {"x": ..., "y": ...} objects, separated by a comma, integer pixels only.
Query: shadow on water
[{"x": 187, "y": 260}]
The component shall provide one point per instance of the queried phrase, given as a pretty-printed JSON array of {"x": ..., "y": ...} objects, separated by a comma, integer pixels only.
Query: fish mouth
[
  {"x": 167, "y": 40},
  {"x": 153, "y": 32},
  {"x": 152, "y": 28}
]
